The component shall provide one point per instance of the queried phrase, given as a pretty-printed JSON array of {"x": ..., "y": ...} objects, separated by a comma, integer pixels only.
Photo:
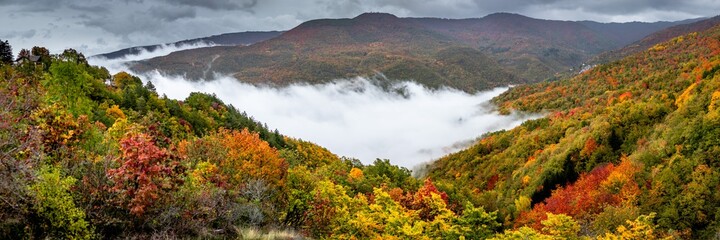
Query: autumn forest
[{"x": 625, "y": 150}]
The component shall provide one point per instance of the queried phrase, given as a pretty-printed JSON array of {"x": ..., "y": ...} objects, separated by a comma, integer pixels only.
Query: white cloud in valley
[{"x": 354, "y": 117}]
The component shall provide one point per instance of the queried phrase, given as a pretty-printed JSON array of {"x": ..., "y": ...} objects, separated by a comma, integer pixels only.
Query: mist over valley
[{"x": 407, "y": 123}]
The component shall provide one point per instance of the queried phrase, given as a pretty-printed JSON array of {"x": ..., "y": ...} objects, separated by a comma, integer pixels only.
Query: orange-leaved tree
[{"x": 247, "y": 157}]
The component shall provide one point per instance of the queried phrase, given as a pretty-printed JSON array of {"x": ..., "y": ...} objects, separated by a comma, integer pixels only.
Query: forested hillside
[{"x": 632, "y": 139}]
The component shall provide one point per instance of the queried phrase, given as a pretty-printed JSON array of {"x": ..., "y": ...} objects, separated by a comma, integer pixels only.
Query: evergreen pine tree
[
  {"x": 6, "y": 55},
  {"x": 150, "y": 86}
]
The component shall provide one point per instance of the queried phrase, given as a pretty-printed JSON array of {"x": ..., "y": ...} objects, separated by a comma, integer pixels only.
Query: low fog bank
[
  {"x": 119, "y": 64},
  {"x": 354, "y": 117}
]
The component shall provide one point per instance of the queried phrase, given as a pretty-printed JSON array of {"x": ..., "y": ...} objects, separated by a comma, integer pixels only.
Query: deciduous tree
[{"x": 146, "y": 173}]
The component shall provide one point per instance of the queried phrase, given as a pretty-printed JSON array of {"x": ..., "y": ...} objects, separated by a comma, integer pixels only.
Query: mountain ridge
[
  {"x": 658, "y": 37},
  {"x": 512, "y": 46},
  {"x": 225, "y": 39},
  {"x": 324, "y": 50},
  {"x": 629, "y": 32}
]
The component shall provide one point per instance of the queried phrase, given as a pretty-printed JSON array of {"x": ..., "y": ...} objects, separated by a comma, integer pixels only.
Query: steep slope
[
  {"x": 227, "y": 39},
  {"x": 657, "y": 37},
  {"x": 637, "y": 136},
  {"x": 323, "y": 50}
]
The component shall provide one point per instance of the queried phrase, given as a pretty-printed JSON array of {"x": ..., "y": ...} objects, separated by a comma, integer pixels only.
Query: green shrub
[{"x": 54, "y": 204}]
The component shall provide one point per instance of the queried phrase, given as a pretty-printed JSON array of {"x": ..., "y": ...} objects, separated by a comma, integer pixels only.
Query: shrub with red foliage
[
  {"x": 146, "y": 172},
  {"x": 420, "y": 200},
  {"x": 318, "y": 218},
  {"x": 491, "y": 182},
  {"x": 607, "y": 184}
]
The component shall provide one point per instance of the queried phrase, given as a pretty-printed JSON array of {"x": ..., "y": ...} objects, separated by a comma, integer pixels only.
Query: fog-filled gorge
[{"x": 352, "y": 117}]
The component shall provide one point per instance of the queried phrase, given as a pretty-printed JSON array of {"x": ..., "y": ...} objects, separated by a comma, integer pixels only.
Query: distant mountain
[
  {"x": 695, "y": 25},
  {"x": 324, "y": 50},
  {"x": 534, "y": 49},
  {"x": 469, "y": 54},
  {"x": 629, "y": 32},
  {"x": 537, "y": 49},
  {"x": 227, "y": 39}
]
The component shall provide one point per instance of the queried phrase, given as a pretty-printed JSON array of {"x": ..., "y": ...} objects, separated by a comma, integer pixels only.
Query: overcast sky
[{"x": 97, "y": 26}]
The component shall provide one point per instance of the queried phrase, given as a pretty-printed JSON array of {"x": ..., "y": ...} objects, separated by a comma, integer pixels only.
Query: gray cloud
[
  {"x": 90, "y": 8},
  {"x": 218, "y": 4},
  {"x": 607, "y": 10},
  {"x": 122, "y": 25},
  {"x": 28, "y": 34},
  {"x": 33, "y": 5},
  {"x": 170, "y": 14},
  {"x": 20, "y": 34},
  {"x": 125, "y": 23}
]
